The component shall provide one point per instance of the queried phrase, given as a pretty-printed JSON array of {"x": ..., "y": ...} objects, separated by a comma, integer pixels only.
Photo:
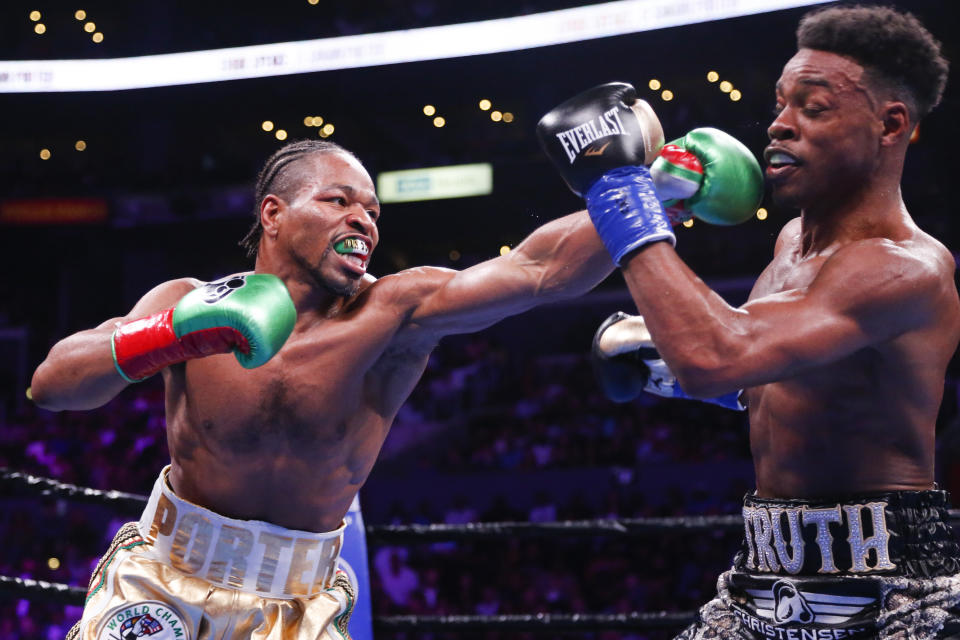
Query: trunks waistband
[
  {"x": 246, "y": 555},
  {"x": 903, "y": 533}
]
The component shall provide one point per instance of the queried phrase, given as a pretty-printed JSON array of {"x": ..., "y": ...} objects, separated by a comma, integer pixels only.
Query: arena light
[
  {"x": 496, "y": 116},
  {"x": 266, "y": 125},
  {"x": 44, "y": 154},
  {"x": 97, "y": 37},
  {"x": 507, "y": 116},
  {"x": 39, "y": 28},
  {"x": 726, "y": 86},
  {"x": 485, "y": 105},
  {"x": 80, "y": 145},
  {"x": 654, "y": 84},
  {"x": 667, "y": 95},
  {"x": 90, "y": 27},
  {"x": 735, "y": 95},
  {"x": 80, "y": 15},
  {"x": 373, "y": 49},
  {"x": 429, "y": 109},
  {"x": 504, "y": 250},
  {"x": 712, "y": 76},
  {"x": 761, "y": 214},
  {"x": 435, "y": 183},
  {"x": 439, "y": 121},
  {"x": 34, "y": 15}
]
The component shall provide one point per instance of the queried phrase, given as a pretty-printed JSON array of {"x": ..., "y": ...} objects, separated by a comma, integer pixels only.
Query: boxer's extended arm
[
  {"x": 79, "y": 372},
  {"x": 563, "y": 258},
  {"x": 866, "y": 293}
]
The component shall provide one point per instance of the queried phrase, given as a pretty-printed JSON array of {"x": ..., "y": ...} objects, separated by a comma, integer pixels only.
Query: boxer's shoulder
[
  {"x": 789, "y": 236},
  {"x": 918, "y": 257},
  {"x": 406, "y": 289},
  {"x": 166, "y": 294},
  {"x": 181, "y": 286},
  {"x": 894, "y": 285}
]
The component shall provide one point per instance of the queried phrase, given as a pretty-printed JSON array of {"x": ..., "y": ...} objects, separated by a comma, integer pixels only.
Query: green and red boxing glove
[
  {"x": 710, "y": 175},
  {"x": 251, "y": 315},
  {"x": 706, "y": 174}
]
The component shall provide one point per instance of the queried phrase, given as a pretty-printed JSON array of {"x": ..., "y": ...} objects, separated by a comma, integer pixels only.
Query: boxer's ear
[
  {"x": 897, "y": 125},
  {"x": 272, "y": 208}
]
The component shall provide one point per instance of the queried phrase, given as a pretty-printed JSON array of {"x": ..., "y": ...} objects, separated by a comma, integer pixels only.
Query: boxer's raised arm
[
  {"x": 250, "y": 315},
  {"x": 79, "y": 371},
  {"x": 865, "y": 294},
  {"x": 563, "y": 258}
]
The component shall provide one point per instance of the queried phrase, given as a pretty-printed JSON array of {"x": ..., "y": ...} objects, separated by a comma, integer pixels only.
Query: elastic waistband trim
[{"x": 246, "y": 555}]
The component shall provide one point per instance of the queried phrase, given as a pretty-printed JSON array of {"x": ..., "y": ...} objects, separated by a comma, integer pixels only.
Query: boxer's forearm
[
  {"x": 567, "y": 255},
  {"x": 698, "y": 334},
  {"x": 78, "y": 373}
]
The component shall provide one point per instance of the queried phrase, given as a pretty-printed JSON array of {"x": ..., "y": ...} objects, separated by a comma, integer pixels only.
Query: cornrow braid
[{"x": 274, "y": 178}]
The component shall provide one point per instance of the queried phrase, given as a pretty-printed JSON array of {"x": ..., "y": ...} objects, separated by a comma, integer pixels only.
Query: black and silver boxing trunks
[{"x": 871, "y": 566}]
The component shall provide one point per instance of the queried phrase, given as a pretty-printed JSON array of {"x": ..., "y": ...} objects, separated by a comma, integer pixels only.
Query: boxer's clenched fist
[{"x": 250, "y": 315}]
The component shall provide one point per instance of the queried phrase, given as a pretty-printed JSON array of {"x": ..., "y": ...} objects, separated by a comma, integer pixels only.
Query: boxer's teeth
[
  {"x": 350, "y": 246},
  {"x": 778, "y": 158},
  {"x": 357, "y": 260}
]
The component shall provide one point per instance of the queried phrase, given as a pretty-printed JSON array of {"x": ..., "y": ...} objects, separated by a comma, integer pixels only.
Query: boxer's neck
[{"x": 876, "y": 212}]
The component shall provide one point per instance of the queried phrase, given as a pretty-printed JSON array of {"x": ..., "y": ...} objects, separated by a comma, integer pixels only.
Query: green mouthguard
[{"x": 347, "y": 245}]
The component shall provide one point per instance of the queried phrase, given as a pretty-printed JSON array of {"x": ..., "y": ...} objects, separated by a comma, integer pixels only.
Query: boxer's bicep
[
  {"x": 79, "y": 371},
  {"x": 789, "y": 332},
  {"x": 477, "y": 297},
  {"x": 163, "y": 296},
  {"x": 562, "y": 258},
  {"x": 861, "y": 298},
  {"x": 879, "y": 287}
]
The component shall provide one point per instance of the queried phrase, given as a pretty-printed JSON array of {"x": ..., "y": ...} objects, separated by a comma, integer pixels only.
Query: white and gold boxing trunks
[{"x": 185, "y": 573}]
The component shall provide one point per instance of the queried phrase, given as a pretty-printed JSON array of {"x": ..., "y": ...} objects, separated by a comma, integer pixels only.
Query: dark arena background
[{"x": 105, "y": 193}]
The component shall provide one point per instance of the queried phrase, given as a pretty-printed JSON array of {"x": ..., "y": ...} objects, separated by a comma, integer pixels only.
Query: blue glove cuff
[
  {"x": 727, "y": 401},
  {"x": 624, "y": 208}
]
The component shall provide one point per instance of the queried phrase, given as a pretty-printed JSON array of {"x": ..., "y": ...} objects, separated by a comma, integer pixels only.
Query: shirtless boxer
[
  {"x": 842, "y": 348},
  {"x": 241, "y": 534}
]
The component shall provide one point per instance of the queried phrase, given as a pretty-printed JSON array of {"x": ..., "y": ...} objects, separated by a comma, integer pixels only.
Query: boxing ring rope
[
  {"x": 56, "y": 593},
  {"x": 65, "y": 594}
]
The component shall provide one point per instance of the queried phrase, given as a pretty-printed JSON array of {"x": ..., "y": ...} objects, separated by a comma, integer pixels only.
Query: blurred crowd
[
  {"x": 491, "y": 409},
  {"x": 482, "y": 408}
]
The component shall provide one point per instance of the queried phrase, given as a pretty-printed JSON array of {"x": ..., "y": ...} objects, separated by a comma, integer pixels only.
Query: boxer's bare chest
[
  {"x": 329, "y": 389},
  {"x": 290, "y": 442},
  {"x": 791, "y": 272},
  {"x": 840, "y": 419}
]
